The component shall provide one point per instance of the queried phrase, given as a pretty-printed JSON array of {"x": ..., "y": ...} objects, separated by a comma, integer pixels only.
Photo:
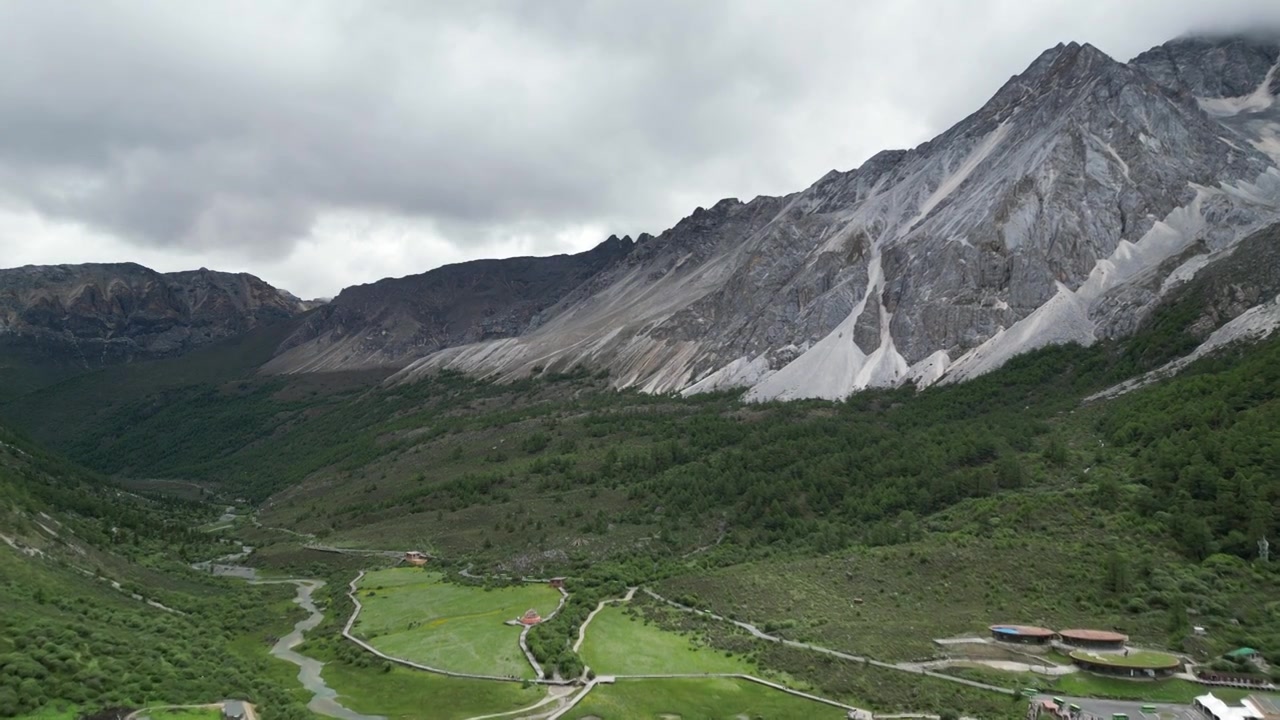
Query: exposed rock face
[
  {"x": 394, "y": 321},
  {"x": 1061, "y": 211},
  {"x": 1213, "y": 67},
  {"x": 98, "y": 314}
]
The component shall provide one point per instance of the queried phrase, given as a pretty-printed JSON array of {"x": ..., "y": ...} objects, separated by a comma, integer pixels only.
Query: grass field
[
  {"x": 619, "y": 643},
  {"x": 696, "y": 698},
  {"x": 1134, "y": 659},
  {"x": 883, "y": 601},
  {"x": 1166, "y": 691},
  {"x": 412, "y": 614},
  {"x": 403, "y": 694},
  {"x": 1084, "y": 684}
]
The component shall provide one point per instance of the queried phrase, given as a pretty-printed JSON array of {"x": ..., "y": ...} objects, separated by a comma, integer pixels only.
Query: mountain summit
[
  {"x": 1060, "y": 211},
  {"x": 1063, "y": 210},
  {"x": 97, "y": 314}
]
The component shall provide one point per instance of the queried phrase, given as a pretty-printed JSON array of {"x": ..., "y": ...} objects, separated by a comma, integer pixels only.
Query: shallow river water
[{"x": 324, "y": 698}]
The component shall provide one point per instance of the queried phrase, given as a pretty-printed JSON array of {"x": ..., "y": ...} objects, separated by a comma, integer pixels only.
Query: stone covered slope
[
  {"x": 1018, "y": 227},
  {"x": 394, "y": 321},
  {"x": 96, "y": 314}
]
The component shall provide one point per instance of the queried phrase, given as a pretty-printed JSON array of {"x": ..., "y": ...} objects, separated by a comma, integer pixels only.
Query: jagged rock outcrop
[
  {"x": 96, "y": 314},
  {"x": 1061, "y": 211},
  {"x": 394, "y": 321}
]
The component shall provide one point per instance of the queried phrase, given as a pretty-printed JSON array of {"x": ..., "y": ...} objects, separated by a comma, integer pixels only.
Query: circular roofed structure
[
  {"x": 1101, "y": 639},
  {"x": 1025, "y": 634},
  {"x": 1128, "y": 663}
]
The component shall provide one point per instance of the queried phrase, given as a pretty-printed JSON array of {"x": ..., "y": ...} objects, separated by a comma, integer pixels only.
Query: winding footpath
[
  {"x": 524, "y": 636},
  {"x": 916, "y": 668},
  {"x": 355, "y": 613},
  {"x": 563, "y": 694},
  {"x": 582, "y": 631}
]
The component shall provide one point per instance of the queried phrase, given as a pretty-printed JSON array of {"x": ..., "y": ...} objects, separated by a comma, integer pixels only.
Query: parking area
[{"x": 1097, "y": 709}]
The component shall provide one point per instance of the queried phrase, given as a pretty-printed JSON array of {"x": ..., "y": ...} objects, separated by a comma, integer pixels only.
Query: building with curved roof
[
  {"x": 1098, "y": 639},
  {"x": 1024, "y": 634},
  {"x": 1128, "y": 663}
]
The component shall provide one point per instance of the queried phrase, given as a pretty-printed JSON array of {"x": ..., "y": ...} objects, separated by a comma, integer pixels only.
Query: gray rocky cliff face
[
  {"x": 96, "y": 314},
  {"x": 1213, "y": 67},
  {"x": 393, "y": 321},
  {"x": 1058, "y": 212}
]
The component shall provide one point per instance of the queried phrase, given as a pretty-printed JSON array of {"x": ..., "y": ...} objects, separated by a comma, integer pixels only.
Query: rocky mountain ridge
[
  {"x": 96, "y": 314},
  {"x": 1061, "y": 211},
  {"x": 1065, "y": 209},
  {"x": 397, "y": 320}
]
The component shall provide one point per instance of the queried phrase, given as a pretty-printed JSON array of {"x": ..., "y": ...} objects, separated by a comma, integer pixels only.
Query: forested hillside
[
  {"x": 101, "y": 610},
  {"x": 1202, "y": 447},
  {"x": 1008, "y": 496}
]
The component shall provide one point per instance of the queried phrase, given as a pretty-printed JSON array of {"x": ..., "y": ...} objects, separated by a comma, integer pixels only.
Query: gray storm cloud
[{"x": 227, "y": 130}]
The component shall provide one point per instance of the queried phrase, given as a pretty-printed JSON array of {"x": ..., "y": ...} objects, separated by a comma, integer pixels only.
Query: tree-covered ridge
[
  {"x": 70, "y": 639},
  {"x": 811, "y": 474},
  {"x": 1204, "y": 451}
]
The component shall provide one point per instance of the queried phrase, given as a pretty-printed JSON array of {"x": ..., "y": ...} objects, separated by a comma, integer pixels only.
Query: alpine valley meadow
[{"x": 802, "y": 457}]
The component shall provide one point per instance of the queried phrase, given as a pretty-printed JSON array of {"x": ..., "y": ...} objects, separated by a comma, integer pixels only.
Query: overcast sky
[{"x": 323, "y": 144}]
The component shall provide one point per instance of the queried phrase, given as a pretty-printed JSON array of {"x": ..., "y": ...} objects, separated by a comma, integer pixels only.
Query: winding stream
[{"x": 324, "y": 700}]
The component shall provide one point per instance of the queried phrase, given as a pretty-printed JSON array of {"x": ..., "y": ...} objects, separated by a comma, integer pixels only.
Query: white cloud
[{"x": 322, "y": 144}]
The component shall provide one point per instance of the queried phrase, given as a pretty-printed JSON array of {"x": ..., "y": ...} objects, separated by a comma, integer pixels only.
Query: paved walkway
[
  {"x": 146, "y": 710},
  {"x": 582, "y": 631},
  {"x": 1045, "y": 668},
  {"x": 355, "y": 613},
  {"x": 916, "y": 668},
  {"x": 901, "y": 667},
  {"x": 524, "y": 636}
]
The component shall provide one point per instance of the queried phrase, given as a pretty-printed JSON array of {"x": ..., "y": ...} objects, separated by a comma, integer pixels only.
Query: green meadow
[
  {"x": 620, "y": 643},
  {"x": 413, "y": 614},
  {"x": 700, "y": 698}
]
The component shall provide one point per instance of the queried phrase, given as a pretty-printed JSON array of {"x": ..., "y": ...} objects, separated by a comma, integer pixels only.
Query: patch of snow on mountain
[
  {"x": 1268, "y": 141},
  {"x": 885, "y": 366},
  {"x": 835, "y": 366},
  {"x": 1124, "y": 166},
  {"x": 1165, "y": 239}
]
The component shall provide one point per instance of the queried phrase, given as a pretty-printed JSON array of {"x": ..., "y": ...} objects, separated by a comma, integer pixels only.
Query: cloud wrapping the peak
[{"x": 331, "y": 142}]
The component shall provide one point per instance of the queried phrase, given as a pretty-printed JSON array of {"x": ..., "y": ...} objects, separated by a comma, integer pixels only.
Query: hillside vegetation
[
  {"x": 70, "y": 640},
  {"x": 872, "y": 525}
]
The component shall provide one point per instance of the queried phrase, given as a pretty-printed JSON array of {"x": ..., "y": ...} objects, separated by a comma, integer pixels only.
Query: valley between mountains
[{"x": 881, "y": 447}]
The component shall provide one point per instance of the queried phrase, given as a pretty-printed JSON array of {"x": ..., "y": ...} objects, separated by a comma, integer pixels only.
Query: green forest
[{"x": 1148, "y": 506}]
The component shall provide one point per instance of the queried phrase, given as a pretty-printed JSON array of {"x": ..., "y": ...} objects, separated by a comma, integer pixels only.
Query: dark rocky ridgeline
[
  {"x": 1213, "y": 67},
  {"x": 1011, "y": 230},
  {"x": 396, "y": 320},
  {"x": 97, "y": 314}
]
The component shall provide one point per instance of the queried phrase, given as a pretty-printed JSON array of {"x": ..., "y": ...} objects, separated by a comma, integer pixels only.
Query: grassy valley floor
[
  {"x": 413, "y": 614},
  {"x": 618, "y": 642},
  {"x": 719, "y": 698}
]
